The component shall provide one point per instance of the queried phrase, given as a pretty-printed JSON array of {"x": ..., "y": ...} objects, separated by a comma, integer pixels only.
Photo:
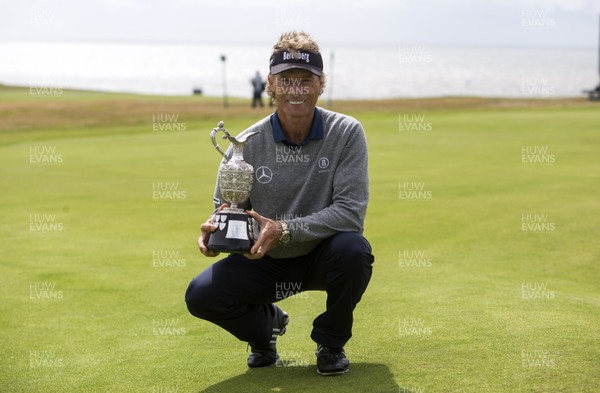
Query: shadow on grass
[{"x": 362, "y": 377}]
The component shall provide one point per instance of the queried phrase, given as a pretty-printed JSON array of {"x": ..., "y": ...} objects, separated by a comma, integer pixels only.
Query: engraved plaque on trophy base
[{"x": 234, "y": 234}]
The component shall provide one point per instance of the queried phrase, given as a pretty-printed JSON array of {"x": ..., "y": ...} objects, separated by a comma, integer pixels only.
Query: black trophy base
[{"x": 234, "y": 234}]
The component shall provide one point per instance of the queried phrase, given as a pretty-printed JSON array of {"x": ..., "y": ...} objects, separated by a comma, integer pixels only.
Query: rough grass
[{"x": 456, "y": 323}]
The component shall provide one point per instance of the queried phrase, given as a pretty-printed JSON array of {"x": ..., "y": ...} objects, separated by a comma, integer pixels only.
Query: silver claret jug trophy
[{"x": 235, "y": 228}]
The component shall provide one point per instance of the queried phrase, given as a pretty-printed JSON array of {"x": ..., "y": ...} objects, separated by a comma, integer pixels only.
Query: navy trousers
[{"x": 235, "y": 293}]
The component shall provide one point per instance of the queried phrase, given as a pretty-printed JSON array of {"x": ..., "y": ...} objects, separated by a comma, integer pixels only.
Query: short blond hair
[{"x": 294, "y": 41}]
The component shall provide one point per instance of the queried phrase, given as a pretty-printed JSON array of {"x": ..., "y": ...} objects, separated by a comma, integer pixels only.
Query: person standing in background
[{"x": 258, "y": 86}]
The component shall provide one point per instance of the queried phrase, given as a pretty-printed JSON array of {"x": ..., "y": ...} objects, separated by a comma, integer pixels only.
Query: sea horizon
[{"x": 354, "y": 72}]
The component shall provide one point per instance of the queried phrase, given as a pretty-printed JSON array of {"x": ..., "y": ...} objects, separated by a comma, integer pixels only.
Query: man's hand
[
  {"x": 270, "y": 232},
  {"x": 205, "y": 230}
]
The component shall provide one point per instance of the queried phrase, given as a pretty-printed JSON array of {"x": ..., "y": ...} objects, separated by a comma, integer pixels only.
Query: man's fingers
[
  {"x": 208, "y": 226},
  {"x": 260, "y": 219},
  {"x": 205, "y": 230},
  {"x": 257, "y": 253},
  {"x": 261, "y": 235},
  {"x": 258, "y": 244},
  {"x": 267, "y": 237},
  {"x": 204, "y": 249}
]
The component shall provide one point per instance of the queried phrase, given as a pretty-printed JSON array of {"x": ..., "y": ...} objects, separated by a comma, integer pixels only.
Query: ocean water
[{"x": 353, "y": 72}]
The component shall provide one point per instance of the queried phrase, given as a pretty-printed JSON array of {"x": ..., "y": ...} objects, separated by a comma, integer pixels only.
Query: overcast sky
[{"x": 545, "y": 23}]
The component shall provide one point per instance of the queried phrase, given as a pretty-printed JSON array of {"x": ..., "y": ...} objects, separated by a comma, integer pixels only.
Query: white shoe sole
[{"x": 333, "y": 372}]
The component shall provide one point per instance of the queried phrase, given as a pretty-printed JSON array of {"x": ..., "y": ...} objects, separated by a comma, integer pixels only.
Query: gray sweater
[{"x": 320, "y": 188}]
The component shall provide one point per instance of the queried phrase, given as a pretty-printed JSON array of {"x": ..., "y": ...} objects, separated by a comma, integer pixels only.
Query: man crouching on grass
[{"x": 309, "y": 198}]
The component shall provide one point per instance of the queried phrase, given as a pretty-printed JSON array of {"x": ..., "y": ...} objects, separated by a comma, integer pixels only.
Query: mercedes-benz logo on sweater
[{"x": 264, "y": 174}]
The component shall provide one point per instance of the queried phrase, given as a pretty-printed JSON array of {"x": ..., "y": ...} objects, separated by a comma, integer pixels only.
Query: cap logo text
[{"x": 301, "y": 56}]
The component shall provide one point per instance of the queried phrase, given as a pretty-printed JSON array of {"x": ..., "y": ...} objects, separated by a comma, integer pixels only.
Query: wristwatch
[{"x": 286, "y": 236}]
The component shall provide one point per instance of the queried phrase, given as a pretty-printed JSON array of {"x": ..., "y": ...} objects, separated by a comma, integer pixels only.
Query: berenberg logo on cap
[{"x": 301, "y": 56}]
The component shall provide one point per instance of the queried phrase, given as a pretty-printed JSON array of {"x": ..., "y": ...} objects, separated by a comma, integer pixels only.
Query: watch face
[{"x": 285, "y": 238}]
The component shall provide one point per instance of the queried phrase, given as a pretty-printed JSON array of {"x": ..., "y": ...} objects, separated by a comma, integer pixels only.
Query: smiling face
[{"x": 296, "y": 92}]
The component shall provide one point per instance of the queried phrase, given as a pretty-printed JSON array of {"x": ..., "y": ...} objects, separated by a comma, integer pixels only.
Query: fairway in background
[{"x": 483, "y": 224}]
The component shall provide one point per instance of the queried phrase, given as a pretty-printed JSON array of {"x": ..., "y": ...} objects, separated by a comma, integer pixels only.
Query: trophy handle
[{"x": 214, "y": 141}]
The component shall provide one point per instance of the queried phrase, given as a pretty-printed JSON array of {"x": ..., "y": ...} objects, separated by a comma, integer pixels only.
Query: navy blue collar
[{"x": 316, "y": 129}]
